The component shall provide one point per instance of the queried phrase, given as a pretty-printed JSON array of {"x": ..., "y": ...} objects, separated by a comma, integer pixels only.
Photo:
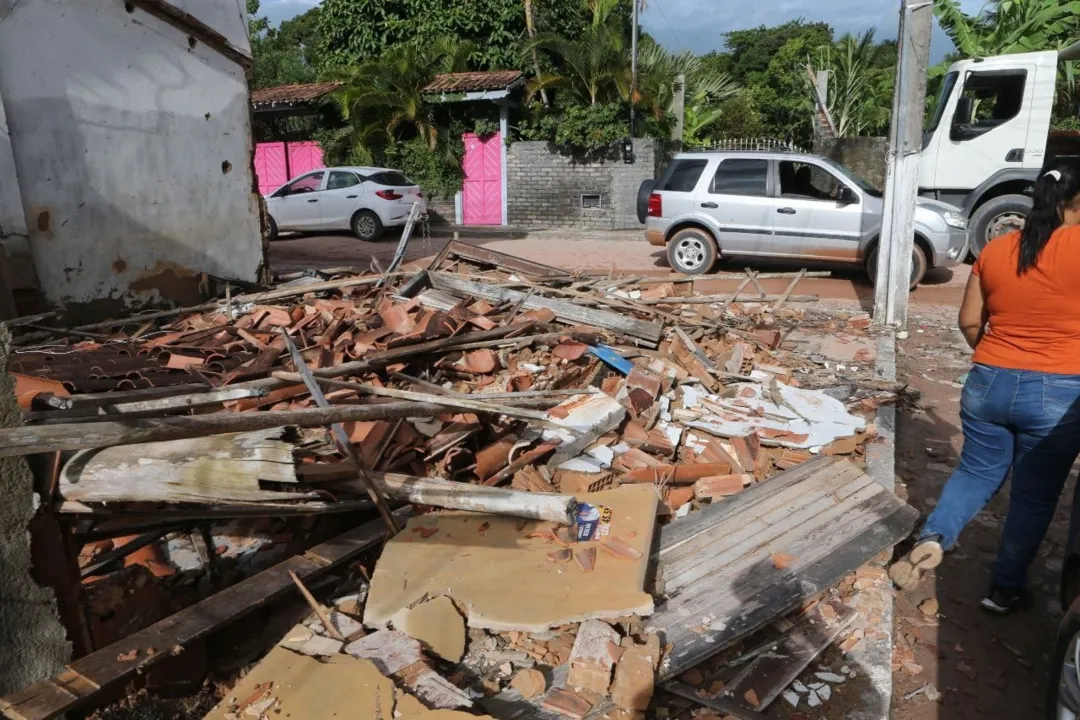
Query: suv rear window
[
  {"x": 682, "y": 175},
  {"x": 741, "y": 177},
  {"x": 391, "y": 178}
]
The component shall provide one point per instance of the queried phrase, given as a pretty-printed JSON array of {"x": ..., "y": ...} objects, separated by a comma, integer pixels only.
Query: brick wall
[
  {"x": 865, "y": 155},
  {"x": 544, "y": 188}
]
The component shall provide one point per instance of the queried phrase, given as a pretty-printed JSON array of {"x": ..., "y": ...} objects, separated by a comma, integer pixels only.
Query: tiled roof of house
[
  {"x": 473, "y": 81},
  {"x": 308, "y": 92}
]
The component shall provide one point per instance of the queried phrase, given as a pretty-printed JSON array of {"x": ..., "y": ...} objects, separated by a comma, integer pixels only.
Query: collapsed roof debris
[{"x": 585, "y": 475}]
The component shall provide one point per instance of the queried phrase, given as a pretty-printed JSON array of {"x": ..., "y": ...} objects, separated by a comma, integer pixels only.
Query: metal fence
[{"x": 756, "y": 144}]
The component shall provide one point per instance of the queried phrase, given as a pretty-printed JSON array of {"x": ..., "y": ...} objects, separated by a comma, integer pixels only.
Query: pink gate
[
  {"x": 482, "y": 187},
  {"x": 278, "y": 162}
]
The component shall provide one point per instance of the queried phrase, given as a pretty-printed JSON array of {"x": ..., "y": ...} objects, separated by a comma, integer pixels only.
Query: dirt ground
[{"x": 983, "y": 666}]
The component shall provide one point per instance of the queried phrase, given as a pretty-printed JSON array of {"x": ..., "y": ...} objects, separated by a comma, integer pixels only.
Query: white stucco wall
[{"x": 121, "y": 127}]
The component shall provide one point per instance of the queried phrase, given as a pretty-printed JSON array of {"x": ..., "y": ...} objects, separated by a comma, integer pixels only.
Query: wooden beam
[
  {"x": 78, "y": 436},
  {"x": 84, "y": 680},
  {"x": 565, "y": 311}
]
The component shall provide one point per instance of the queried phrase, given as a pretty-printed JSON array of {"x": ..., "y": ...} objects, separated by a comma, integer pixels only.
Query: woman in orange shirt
[{"x": 1020, "y": 407}]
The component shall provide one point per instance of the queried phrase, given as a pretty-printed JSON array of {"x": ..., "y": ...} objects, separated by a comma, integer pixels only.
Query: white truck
[{"x": 990, "y": 137}]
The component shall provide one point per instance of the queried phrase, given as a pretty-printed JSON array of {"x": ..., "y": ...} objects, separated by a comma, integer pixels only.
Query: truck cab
[{"x": 989, "y": 138}]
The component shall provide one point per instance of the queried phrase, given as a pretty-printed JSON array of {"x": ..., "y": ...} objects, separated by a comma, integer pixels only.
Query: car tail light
[
  {"x": 388, "y": 195},
  {"x": 656, "y": 205}
]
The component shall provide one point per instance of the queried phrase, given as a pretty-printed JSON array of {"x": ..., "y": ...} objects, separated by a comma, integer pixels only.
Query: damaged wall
[
  {"x": 131, "y": 138},
  {"x": 33, "y": 642}
]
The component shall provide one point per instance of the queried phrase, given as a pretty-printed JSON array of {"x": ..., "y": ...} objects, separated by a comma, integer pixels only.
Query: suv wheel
[
  {"x": 918, "y": 266},
  {"x": 692, "y": 251}
]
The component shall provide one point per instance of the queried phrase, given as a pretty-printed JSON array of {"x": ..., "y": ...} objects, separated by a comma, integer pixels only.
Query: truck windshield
[
  {"x": 943, "y": 100},
  {"x": 850, "y": 175}
]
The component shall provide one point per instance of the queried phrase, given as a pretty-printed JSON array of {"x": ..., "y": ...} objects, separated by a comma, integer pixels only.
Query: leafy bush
[
  {"x": 485, "y": 127},
  {"x": 437, "y": 172},
  {"x": 587, "y": 132}
]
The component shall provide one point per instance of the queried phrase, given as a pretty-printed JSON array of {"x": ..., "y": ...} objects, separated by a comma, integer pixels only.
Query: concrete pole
[
  {"x": 902, "y": 172},
  {"x": 679, "y": 110}
]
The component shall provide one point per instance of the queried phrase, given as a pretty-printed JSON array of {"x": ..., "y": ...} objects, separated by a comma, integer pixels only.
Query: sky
[{"x": 698, "y": 25}]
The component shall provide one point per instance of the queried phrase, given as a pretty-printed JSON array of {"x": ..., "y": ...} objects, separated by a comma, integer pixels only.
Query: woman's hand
[{"x": 973, "y": 313}]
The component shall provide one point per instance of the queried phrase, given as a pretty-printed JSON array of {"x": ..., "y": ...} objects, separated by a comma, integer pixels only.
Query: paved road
[{"x": 618, "y": 253}]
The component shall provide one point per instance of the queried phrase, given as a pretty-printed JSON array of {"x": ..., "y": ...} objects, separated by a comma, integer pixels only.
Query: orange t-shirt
[{"x": 1034, "y": 317}]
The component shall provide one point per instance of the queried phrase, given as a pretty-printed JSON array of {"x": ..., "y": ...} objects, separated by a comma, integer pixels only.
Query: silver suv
[{"x": 783, "y": 205}]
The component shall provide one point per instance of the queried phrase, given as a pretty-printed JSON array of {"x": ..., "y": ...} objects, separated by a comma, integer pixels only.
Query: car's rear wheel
[
  {"x": 367, "y": 226},
  {"x": 918, "y": 266},
  {"x": 998, "y": 216},
  {"x": 271, "y": 228},
  {"x": 1063, "y": 694},
  {"x": 692, "y": 251}
]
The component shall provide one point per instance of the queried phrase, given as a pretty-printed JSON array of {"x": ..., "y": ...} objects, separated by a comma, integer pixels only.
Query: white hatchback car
[{"x": 362, "y": 199}]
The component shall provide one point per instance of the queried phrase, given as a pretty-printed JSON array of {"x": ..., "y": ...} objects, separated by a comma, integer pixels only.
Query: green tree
[
  {"x": 592, "y": 66},
  {"x": 752, "y": 51},
  {"x": 353, "y": 31},
  {"x": 286, "y": 54},
  {"x": 382, "y": 100},
  {"x": 860, "y": 83}
]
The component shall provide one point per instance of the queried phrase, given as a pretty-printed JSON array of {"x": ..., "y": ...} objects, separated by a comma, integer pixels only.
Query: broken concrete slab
[
  {"x": 592, "y": 659},
  {"x": 504, "y": 580},
  {"x": 437, "y": 624},
  {"x": 301, "y": 686},
  {"x": 308, "y": 642}
]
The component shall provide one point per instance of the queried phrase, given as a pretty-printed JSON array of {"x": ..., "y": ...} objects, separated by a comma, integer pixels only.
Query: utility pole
[
  {"x": 902, "y": 172},
  {"x": 633, "y": 64}
]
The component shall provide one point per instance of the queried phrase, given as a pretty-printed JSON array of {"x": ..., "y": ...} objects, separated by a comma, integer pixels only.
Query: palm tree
[
  {"x": 1010, "y": 26},
  {"x": 855, "y": 100},
  {"x": 386, "y": 94},
  {"x": 595, "y": 65}
]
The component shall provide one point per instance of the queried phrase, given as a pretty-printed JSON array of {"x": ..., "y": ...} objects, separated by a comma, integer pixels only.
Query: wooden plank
[
  {"x": 770, "y": 673},
  {"x": 565, "y": 311},
  {"x": 161, "y": 406},
  {"x": 772, "y": 598},
  {"x": 102, "y": 669},
  {"x": 730, "y": 708},
  {"x": 32, "y": 439},
  {"x": 474, "y": 253},
  {"x": 843, "y": 519}
]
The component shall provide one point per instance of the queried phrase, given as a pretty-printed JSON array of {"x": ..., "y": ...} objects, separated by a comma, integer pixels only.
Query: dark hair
[{"x": 1058, "y": 184}]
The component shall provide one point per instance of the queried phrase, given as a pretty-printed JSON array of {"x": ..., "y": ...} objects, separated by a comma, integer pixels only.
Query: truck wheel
[
  {"x": 918, "y": 266},
  {"x": 692, "y": 251},
  {"x": 367, "y": 226},
  {"x": 996, "y": 217}
]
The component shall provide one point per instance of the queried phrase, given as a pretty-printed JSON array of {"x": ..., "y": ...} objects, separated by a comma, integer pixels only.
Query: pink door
[
  {"x": 276, "y": 163},
  {"x": 304, "y": 156},
  {"x": 270, "y": 168},
  {"x": 482, "y": 187}
]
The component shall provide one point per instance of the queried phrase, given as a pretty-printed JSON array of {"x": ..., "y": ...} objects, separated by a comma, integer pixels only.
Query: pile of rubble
[{"x": 557, "y": 461}]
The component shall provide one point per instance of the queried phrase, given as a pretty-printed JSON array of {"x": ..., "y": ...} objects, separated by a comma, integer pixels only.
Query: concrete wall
[
  {"x": 865, "y": 155},
  {"x": 131, "y": 140},
  {"x": 33, "y": 643},
  {"x": 544, "y": 188}
]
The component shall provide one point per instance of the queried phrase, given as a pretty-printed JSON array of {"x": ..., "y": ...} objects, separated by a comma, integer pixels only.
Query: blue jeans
[{"x": 1019, "y": 419}]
